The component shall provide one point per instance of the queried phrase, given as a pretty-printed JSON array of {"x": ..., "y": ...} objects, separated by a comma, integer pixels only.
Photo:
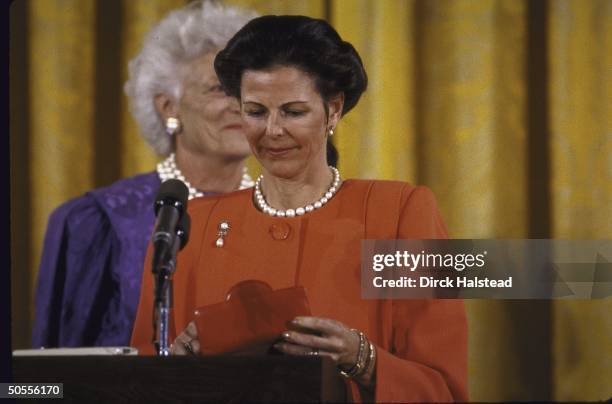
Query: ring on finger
[
  {"x": 188, "y": 347},
  {"x": 314, "y": 352}
]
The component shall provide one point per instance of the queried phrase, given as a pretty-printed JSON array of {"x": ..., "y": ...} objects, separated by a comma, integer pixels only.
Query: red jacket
[{"x": 422, "y": 344}]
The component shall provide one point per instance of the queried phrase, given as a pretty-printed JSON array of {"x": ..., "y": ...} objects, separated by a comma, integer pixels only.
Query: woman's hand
[
  {"x": 325, "y": 337},
  {"x": 187, "y": 342}
]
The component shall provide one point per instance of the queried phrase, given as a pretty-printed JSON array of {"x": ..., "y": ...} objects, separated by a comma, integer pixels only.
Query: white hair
[{"x": 183, "y": 35}]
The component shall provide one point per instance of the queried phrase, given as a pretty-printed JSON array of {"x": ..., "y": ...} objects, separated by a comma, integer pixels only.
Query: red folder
[{"x": 250, "y": 320}]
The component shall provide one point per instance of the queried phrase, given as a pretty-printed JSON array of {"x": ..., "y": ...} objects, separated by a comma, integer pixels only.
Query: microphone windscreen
[{"x": 174, "y": 190}]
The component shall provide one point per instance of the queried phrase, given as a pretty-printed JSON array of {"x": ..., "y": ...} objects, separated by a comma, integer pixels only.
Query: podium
[{"x": 218, "y": 379}]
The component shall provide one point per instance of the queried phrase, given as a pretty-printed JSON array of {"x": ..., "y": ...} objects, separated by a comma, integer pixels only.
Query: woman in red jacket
[{"x": 302, "y": 224}]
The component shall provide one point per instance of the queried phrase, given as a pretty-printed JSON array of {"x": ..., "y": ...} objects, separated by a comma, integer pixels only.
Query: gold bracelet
[
  {"x": 360, "y": 365},
  {"x": 372, "y": 358},
  {"x": 369, "y": 358}
]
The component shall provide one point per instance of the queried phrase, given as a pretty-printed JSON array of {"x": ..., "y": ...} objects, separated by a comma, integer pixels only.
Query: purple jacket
[{"x": 89, "y": 278}]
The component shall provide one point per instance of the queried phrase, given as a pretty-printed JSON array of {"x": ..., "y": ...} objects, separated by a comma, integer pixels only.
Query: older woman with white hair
[{"x": 90, "y": 273}]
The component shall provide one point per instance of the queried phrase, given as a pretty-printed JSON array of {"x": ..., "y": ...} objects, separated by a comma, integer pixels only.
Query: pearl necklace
[
  {"x": 264, "y": 207},
  {"x": 167, "y": 170}
]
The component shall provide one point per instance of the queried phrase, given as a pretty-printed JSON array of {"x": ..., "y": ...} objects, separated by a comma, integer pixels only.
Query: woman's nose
[{"x": 273, "y": 127}]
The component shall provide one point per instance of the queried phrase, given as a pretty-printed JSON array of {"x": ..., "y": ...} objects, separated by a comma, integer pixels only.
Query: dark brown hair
[{"x": 309, "y": 44}]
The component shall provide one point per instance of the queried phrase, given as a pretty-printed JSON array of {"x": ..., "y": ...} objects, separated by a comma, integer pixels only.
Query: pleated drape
[
  {"x": 580, "y": 93},
  {"x": 502, "y": 107},
  {"x": 61, "y": 103},
  {"x": 382, "y": 124}
]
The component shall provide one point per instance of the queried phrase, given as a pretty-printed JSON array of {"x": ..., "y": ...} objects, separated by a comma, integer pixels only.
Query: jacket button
[{"x": 280, "y": 231}]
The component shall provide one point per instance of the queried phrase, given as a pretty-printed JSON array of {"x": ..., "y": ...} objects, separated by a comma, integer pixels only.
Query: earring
[
  {"x": 330, "y": 132},
  {"x": 172, "y": 126}
]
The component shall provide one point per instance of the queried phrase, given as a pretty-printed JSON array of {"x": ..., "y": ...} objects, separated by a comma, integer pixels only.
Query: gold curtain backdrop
[{"x": 502, "y": 107}]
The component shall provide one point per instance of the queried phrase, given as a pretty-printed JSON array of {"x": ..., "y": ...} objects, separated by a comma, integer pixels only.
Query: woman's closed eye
[
  {"x": 287, "y": 112},
  {"x": 294, "y": 112},
  {"x": 256, "y": 113}
]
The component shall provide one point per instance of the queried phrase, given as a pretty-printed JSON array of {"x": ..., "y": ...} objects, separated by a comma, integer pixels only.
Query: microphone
[
  {"x": 182, "y": 231},
  {"x": 167, "y": 264},
  {"x": 170, "y": 206},
  {"x": 170, "y": 235}
]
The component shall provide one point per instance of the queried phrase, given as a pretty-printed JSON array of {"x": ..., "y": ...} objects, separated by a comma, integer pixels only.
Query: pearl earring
[
  {"x": 172, "y": 126},
  {"x": 330, "y": 132}
]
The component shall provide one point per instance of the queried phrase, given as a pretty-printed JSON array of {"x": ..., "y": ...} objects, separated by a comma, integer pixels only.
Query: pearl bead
[
  {"x": 167, "y": 170},
  {"x": 264, "y": 207}
]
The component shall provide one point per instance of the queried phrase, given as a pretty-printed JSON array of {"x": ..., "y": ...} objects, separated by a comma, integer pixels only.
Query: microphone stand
[{"x": 163, "y": 298}]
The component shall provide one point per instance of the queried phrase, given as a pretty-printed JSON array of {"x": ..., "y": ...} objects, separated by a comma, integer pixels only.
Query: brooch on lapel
[{"x": 224, "y": 228}]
